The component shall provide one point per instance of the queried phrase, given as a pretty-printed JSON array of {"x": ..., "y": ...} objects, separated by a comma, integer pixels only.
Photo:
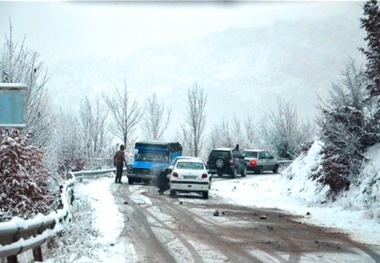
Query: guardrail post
[
  {"x": 12, "y": 259},
  {"x": 37, "y": 254}
]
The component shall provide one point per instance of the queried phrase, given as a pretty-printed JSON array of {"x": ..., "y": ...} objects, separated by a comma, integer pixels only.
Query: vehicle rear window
[
  {"x": 190, "y": 165},
  {"x": 215, "y": 154},
  {"x": 250, "y": 154}
]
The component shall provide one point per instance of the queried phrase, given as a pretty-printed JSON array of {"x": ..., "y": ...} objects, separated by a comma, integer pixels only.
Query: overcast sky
[{"x": 63, "y": 30}]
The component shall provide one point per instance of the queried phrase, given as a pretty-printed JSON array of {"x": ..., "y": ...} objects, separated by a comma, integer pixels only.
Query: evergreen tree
[
  {"x": 371, "y": 23},
  {"x": 344, "y": 125}
]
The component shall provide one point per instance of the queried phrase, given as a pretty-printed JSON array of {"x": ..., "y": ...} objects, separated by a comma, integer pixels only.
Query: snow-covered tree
[
  {"x": 226, "y": 133},
  {"x": 68, "y": 139},
  {"x": 251, "y": 138},
  {"x": 221, "y": 134},
  {"x": 283, "y": 132},
  {"x": 95, "y": 139},
  {"x": 371, "y": 23},
  {"x": 238, "y": 132},
  {"x": 155, "y": 122},
  {"x": 344, "y": 125},
  {"x": 195, "y": 118},
  {"x": 126, "y": 114},
  {"x": 24, "y": 179},
  {"x": 19, "y": 64}
]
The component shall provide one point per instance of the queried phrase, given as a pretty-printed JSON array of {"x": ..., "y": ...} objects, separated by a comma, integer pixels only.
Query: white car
[
  {"x": 190, "y": 175},
  {"x": 171, "y": 167}
]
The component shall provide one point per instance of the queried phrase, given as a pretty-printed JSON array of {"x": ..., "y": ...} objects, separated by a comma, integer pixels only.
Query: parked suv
[
  {"x": 226, "y": 161},
  {"x": 260, "y": 161}
]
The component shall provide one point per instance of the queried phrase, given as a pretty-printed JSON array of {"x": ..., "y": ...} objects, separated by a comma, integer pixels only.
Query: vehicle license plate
[{"x": 189, "y": 177}]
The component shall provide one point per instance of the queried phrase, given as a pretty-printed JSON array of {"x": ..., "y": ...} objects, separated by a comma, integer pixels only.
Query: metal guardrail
[
  {"x": 19, "y": 235},
  {"x": 285, "y": 163}
]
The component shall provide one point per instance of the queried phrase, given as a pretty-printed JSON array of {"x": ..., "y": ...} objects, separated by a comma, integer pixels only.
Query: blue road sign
[{"x": 13, "y": 104}]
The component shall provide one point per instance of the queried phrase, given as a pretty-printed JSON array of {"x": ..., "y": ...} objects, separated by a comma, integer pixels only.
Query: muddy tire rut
[{"x": 184, "y": 229}]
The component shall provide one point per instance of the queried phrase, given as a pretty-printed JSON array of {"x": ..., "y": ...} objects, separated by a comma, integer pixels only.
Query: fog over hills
[{"x": 242, "y": 70}]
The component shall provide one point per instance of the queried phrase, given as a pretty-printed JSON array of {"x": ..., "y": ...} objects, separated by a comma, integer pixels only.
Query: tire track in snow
[
  {"x": 195, "y": 255},
  {"x": 139, "y": 230},
  {"x": 231, "y": 250}
]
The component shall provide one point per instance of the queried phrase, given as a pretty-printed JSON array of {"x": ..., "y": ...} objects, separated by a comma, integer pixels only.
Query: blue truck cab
[{"x": 151, "y": 158}]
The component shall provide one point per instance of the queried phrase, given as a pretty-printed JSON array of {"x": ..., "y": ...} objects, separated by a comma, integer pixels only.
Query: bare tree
[
  {"x": 126, "y": 113},
  {"x": 69, "y": 136},
  {"x": 251, "y": 139},
  {"x": 196, "y": 117},
  {"x": 237, "y": 132},
  {"x": 228, "y": 134},
  {"x": 283, "y": 132},
  {"x": 184, "y": 137},
  {"x": 155, "y": 123},
  {"x": 92, "y": 123},
  {"x": 221, "y": 135},
  {"x": 19, "y": 64}
]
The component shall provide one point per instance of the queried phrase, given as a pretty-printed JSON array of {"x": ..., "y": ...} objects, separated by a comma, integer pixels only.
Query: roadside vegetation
[{"x": 83, "y": 138}]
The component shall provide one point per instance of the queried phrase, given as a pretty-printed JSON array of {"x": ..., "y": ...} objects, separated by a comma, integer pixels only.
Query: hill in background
[{"x": 242, "y": 70}]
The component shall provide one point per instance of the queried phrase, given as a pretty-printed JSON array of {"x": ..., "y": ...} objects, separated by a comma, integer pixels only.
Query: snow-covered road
[
  {"x": 136, "y": 224},
  {"x": 184, "y": 229}
]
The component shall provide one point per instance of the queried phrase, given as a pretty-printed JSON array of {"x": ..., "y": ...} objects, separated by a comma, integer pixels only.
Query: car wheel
[
  {"x": 275, "y": 169},
  {"x": 220, "y": 162},
  {"x": 244, "y": 173},
  {"x": 234, "y": 173},
  {"x": 205, "y": 195},
  {"x": 259, "y": 170},
  {"x": 130, "y": 181},
  {"x": 172, "y": 193}
]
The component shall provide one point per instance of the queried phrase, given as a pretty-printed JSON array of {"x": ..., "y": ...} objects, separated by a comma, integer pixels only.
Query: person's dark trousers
[
  {"x": 119, "y": 172},
  {"x": 164, "y": 185}
]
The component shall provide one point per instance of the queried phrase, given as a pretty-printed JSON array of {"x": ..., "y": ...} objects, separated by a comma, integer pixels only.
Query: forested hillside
[{"x": 243, "y": 69}]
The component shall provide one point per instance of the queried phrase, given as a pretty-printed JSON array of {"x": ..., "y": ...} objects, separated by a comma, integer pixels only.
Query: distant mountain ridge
[{"x": 241, "y": 69}]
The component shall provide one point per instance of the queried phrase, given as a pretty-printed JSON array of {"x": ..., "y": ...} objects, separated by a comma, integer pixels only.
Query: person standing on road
[
  {"x": 118, "y": 161},
  {"x": 237, "y": 148}
]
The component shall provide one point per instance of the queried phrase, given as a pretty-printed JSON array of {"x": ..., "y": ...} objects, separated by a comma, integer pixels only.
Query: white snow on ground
[
  {"x": 289, "y": 191},
  {"x": 300, "y": 196},
  {"x": 108, "y": 219}
]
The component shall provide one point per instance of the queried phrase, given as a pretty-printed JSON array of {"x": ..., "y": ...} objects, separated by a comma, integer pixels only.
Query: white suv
[{"x": 260, "y": 161}]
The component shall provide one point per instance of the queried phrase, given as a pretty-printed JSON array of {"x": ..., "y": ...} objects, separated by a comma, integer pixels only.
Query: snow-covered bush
[
  {"x": 70, "y": 165},
  {"x": 24, "y": 179},
  {"x": 77, "y": 240}
]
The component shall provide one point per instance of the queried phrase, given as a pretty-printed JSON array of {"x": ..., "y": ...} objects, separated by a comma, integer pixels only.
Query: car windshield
[
  {"x": 179, "y": 158},
  {"x": 147, "y": 156},
  {"x": 190, "y": 165},
  {"x": 250, "y": 154}
]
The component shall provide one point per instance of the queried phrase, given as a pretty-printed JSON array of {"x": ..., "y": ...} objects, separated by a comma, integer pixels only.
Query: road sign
[{"x": 13, "y": 105}]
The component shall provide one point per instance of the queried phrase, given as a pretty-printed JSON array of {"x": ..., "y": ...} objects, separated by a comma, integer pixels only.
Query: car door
[
  {"x": 271, "y": 162},
  {"x": 238, "y": 160},
  {"x": 262, "y": 160}
]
